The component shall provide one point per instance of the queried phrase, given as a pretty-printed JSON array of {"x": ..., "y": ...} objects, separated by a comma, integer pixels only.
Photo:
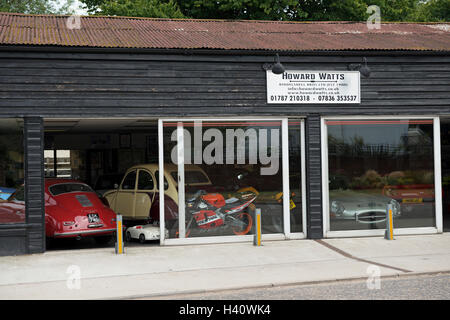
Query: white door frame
[
  {"x": 379, "y": 232},
  {"x": 285, "y": 173}
]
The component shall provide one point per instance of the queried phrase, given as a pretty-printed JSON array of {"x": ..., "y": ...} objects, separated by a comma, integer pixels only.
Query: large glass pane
[
  {"x": 12, "y": 199},
  {"x": 373, "y": 163},
  {"x": 230, "y": 169}
]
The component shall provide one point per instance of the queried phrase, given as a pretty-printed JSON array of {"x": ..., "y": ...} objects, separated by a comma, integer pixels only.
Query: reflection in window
[
  {"x": 374, "y": 163},
  {"x": 231, "y": 168},
  {"x": 12, "y": 208}
]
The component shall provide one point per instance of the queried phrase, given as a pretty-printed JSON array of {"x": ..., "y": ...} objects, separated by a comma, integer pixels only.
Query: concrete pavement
[{"x": 153, "y": 271}]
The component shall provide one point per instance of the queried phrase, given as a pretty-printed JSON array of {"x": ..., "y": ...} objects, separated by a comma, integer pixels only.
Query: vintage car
[
  {"x": 360, "y": 206},
  {"x": 73, "y": 210},
  {"x": 12, "y": 210},
  {"x": 144, "y": 233},
  {"x": 137, "y": 197}
]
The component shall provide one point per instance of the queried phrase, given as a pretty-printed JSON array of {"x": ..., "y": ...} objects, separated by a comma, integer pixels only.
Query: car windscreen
[
  {"x": 61, "y": 188},
  {"x": 191, "y": 177}
]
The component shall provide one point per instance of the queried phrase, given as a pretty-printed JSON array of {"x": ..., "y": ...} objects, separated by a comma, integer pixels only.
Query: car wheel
[
  {"x": 128, "y": 237},
  {"x": 141, "y": 238}
]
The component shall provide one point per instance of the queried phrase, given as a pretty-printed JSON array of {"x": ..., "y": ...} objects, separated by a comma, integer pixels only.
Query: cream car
[{"x": 137, "y": 196}]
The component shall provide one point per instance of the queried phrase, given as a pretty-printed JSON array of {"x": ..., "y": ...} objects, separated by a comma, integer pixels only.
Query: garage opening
[
  {"x": 91, "y": 154},
  {"x": 445, "y": 158},
  {"x": 97, "y": 168}
]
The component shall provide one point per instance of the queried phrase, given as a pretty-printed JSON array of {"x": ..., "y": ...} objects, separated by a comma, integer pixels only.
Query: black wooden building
[{"x": 138, "y": 68}]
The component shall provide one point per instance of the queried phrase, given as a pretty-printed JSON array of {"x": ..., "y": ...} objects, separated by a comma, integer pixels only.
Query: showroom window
[
  {"x": 12, "y": 198},
  {"x": 373, "y": 163},
  {"x": 223, "y": 170}
]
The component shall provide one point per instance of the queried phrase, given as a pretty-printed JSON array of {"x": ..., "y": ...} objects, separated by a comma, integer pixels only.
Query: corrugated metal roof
[{"x": 128, "y": 32}]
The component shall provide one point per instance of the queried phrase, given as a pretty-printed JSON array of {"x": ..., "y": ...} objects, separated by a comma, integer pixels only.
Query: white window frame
[
  {"x": 285, "y": 167},
  {"x": 380, "y": 232}
]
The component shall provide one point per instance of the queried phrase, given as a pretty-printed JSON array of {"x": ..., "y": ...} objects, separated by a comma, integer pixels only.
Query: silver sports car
[{"x": 361, "y": 207}]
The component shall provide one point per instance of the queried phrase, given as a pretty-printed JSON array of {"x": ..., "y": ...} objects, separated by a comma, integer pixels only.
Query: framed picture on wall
[{"x": 125, "y": 140}]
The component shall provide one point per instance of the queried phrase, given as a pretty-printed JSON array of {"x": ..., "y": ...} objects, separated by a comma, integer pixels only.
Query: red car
[
  {"x": 72, "y": 210},
  {"x": 410, "y": 194},
  {"x": 12, "y": 210}
]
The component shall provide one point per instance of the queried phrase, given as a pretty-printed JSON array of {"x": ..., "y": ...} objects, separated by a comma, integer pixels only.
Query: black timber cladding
[
  {"x": 313, "y": 164},
  {"x": 34, "y": 183},
  {"x": 55, "y": 84},
  {"x": 39, "y": 83}
]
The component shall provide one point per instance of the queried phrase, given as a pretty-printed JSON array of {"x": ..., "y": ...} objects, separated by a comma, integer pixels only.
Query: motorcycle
[{"x": 206, "y": 212}]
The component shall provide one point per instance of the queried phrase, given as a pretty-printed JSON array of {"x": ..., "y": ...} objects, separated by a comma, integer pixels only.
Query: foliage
[
  {"x": 135, "y": 8},
  {"x": 282, "y": 10},
  {"x": 316, "y": 10},
  {"x": 36, "y": 6},
  {"x": 433, "y": 11},
  {"x": 244, "y": 9}
]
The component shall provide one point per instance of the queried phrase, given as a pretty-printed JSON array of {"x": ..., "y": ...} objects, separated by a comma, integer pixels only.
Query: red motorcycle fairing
[
  {"x": 207, "y": 219},
  {"x": 215, "y": 199},
  {"x": 209, "y": 211}
]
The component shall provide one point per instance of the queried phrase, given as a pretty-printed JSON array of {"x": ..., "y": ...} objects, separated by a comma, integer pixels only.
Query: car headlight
[{"x": 337, "y": 208}]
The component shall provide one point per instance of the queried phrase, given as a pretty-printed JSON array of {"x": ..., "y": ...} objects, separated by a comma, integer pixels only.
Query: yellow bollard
[
  {"x": 257, "y": 235},
  {"x": 119, "y": 235},
  {"x": 389, "y": 234}
]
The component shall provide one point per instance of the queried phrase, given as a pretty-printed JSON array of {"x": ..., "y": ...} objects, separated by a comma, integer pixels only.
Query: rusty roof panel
[{"x": 127, "y": 32}]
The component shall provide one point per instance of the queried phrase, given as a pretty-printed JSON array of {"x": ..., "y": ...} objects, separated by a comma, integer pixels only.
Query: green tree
[
  {"x": 134, "y": 8},
  {"x": 37, "y": 6},
  {"x": 331, "y": 10},
  {"x": 433, "y": 11},
  {"x": 396, "y": 10},
  {"x": 289, "y": 10},
  {"x": 318, "y": 10},
  {"x": 244, "y": 9}
]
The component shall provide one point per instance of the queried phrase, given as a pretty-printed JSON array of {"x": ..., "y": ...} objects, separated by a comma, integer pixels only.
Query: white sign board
[{"x": 313, "y": 87}]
